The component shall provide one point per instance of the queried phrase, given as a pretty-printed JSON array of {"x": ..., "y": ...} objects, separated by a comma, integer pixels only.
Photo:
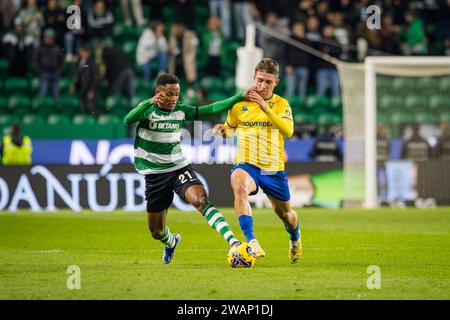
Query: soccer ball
[{"x": 241, "y": 256}]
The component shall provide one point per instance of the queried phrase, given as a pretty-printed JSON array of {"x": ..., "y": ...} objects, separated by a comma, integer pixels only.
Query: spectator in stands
[
  {"x": 213, "y": 41},
  {"x": 273, "y": 47},
  {"x": 323, "y": 12},
  {"x": 100, "y": 21},
  {"x": 442, "y": 148},
  {"x": 86, "y": 80},
  {"x": 416, "y": 148},
  {"x": 222, "y": 9},
  {"x": 119, "y": 72},
  {"x": 32, "y": 20},
  {"x": 389, "y": 35},
  {"x": 74, "y": 38},
  {"x": 136, "y": 6},
  {"x": 383, "y": 143},
  {"x": 313, "y": 29},
  {"x": 183, "y": 52},
  {"x": 327, "y": 75},
  {"x": 414, "y": 35},
  {"x": 326, "y": 148},
  {"x": 15, "y": 149},
  {"x": 49, "y": 62},
  {"x": 55, "y": 19},
  {"x": 8, "y": 10},
  {"x": 185, "y": 12},
  {"x": 152, "y": 44},
  {"x": 297, "y": 64},
  {"x": 341, "y": 33},
  {"x": 18, "y": 49},
  {"x": 242, "y": 16}
]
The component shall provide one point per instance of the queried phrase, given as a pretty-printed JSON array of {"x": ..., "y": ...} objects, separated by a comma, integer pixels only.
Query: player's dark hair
[
  {"x": 268, "y": 65},
  {"x": 167, "y": 78}
]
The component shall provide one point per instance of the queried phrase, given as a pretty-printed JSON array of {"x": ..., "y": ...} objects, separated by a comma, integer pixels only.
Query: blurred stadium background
[{"x": 71, "y": 103}]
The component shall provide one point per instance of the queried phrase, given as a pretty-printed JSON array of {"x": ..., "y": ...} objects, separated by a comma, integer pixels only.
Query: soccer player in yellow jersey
[{"x": 261, "y": 124}]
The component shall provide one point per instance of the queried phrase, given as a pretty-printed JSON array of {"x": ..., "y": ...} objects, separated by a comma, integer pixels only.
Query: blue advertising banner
[{"x": 92, "y": 152}]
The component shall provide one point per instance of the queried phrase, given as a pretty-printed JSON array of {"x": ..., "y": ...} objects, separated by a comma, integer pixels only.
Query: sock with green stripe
[
  {"x": 217, "y": 222},
  {"x": 167, "y": 238}
]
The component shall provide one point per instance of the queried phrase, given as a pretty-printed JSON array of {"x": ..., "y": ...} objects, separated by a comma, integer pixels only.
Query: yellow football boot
[
  {"x": 257, "y": 248},
  {"x": 295, "y": 250}
]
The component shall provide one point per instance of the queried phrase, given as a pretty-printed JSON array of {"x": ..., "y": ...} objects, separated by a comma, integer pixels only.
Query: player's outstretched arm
[
  {"x": 219, "y": 106},
  {"x": 137, "y": 114}
]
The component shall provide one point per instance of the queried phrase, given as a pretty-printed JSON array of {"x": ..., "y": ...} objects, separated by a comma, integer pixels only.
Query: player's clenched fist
[{"x": 220, "y": 129}]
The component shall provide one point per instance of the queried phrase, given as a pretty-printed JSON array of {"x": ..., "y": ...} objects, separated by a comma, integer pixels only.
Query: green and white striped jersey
[{"x": 157, "y": 146}]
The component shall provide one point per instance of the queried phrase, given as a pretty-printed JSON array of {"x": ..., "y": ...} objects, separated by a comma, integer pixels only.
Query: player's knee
[
  {"x": 240, "y": 191},
  {"x": 156, "y": 232},
  {"x": 200, "y": 202}
]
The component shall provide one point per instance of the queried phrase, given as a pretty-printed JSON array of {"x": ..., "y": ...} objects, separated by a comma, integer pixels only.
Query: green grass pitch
[{"x": 119, "y": 260}]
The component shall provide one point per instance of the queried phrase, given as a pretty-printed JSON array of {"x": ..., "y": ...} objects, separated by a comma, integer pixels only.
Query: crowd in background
[{"x": 36, "y": 31}]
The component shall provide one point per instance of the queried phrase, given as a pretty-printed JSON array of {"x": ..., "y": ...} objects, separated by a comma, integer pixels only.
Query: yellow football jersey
[{"x": 259, "y": 142}]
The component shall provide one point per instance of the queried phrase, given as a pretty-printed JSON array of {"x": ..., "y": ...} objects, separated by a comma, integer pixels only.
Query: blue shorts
[{"x": 274, "y": 184}]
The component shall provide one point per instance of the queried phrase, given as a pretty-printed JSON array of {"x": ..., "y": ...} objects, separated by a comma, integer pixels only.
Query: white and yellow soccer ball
[{"x": 241, "y": 256}]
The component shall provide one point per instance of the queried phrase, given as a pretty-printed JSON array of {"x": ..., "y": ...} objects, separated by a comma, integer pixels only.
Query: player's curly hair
[
  {"x": 268, "y": 65},
  {"x": 167, "y": 78}
]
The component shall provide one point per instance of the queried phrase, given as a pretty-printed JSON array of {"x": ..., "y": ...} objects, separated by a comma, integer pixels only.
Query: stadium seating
[
  {"x": 16, "y": 86},
  {"x": 4, "y": 65}
]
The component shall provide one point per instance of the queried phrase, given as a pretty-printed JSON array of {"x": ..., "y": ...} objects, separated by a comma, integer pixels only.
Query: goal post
[{"x": 362, "y": 86}]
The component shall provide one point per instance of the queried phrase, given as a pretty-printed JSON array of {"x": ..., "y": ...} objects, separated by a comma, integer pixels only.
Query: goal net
[{"x": 395, "y": 110}]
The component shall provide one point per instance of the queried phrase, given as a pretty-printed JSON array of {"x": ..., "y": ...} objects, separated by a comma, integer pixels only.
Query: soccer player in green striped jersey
[{"x": 158, "y": 156}]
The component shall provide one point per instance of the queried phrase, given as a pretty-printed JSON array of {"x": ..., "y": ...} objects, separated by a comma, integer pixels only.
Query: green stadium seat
[
  {"x": 336, "y": 103},
  {"x": 445, "y": 117},
  {"x": 296, "y": 103},
  {"x": 122, "y": 32},
  {"x": 114, "y": 102},
  {"x": 230, "y": 85},
  {"x": 399, "y": 117},
  {"x": 129, "y": 47},
  {"x": 414, "y": 103},
  {"x": 313, "y": 102},
  {"x": 56, "y": 119},
  {"x": 35, "y": 84},
  {"x": 109, "y": 119},
  {"x": 437, "y": 102},
  {"x": 425, "y": 84},
  {"x": 426, "y": 117},
  {"x": 217, "y": 95},
  {"x": 8, "y": 119},
  {"x": 390, "y": 102},
  {"x": 142, "y": 84},
  {"x": 192, "y": 100},
  {"x": 65, "y": 84},
  {"x": 402, "y": 84},
  {"x": 18, "y": 102},
  {"x": 69, "y": 102},
  {"x": 82, "y": 119},
  {"x": 303, "y": 118},
  {"x": 212, "y": 83},
  {"x": 31, "y": 120},
  {"x": 444, "y": 84},
  {"x": 383, "y": 118},
  {"x": 16, "y": 86},
  {"x": 328, "y": 119},
  {"x": 43, "y": 105}
]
